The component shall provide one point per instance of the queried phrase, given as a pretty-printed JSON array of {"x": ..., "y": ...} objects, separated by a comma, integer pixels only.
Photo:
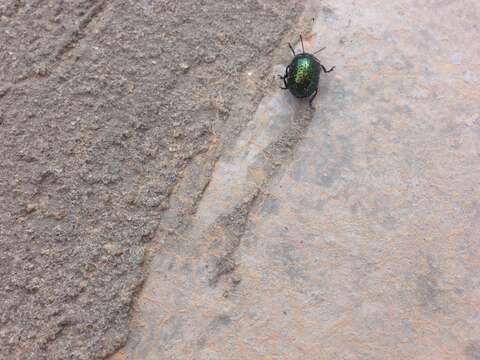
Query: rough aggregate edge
[{"x": 282, "y": 149}]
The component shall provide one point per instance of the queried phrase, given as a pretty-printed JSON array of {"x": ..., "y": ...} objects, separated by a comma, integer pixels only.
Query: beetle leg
[
  {"x": 284, "y": 77},
  {"x": 284, "y": 82},
  {"x": 325, "y": 70},
  {"x": 313, "y": 97}
]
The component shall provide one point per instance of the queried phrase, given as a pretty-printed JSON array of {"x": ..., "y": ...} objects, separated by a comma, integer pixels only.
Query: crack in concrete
[
  {"x": 279, "y": 152},
  {"x": 234, "y": 224}
]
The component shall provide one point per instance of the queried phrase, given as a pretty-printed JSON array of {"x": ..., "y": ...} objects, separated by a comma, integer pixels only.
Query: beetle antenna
[
  {"x": 323, "y": 48},
  {"x": 291, "y": 48},
  {"x": 301, "y": 40}
]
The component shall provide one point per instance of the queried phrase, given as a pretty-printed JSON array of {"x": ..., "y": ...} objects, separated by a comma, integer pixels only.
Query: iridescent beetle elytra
[{"x": 302, "y": 75}]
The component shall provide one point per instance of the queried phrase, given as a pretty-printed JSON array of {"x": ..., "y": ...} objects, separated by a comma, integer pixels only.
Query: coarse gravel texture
[{"x": 102, "y": 106}]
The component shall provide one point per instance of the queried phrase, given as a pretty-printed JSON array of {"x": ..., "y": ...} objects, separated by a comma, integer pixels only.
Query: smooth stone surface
[{"x": 365, "y": 245}]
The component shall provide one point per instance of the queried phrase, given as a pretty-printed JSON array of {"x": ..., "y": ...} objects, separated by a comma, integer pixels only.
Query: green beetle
[{"x": 302, "y": 75}]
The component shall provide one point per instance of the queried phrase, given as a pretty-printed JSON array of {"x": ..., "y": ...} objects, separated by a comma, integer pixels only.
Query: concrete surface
[
  {"x": 350, "y": 232},
  {"x": 103, "y": 103}
]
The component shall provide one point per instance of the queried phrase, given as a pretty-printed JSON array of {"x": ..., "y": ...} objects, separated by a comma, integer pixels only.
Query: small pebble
[
  {"x": 30, "y": 208},
  {"x": 184, "y": 67}
]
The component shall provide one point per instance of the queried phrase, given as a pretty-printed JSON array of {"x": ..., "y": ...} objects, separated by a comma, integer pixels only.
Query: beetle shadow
[{"x": 327, "y": 85}]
